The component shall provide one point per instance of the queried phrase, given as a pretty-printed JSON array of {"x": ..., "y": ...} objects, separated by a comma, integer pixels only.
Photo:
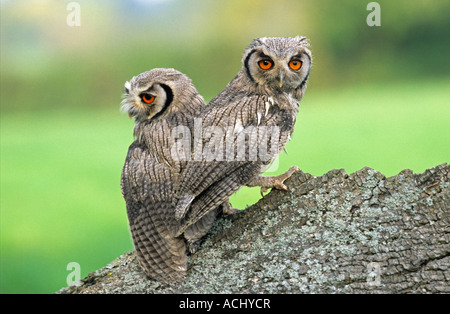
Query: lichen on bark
[{"x": 337, "y": 233}]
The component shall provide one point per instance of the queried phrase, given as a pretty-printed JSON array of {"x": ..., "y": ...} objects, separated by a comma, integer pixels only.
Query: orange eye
[
  {"x": 295, "y": 64},
  {"x": 147, "y": 98},
  {"x": 265, "y": 64}
]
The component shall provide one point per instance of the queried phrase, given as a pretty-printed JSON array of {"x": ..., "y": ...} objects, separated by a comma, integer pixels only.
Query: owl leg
[
  {"x": 228, "y": 209},
  {"x": 273, "y": 182},
  {"x": 194, "y": 245},
  {"x": 195, "y": 233}
]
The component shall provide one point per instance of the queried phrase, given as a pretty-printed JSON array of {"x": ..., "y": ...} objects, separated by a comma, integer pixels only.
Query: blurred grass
[{"x": 61, "y": 199}]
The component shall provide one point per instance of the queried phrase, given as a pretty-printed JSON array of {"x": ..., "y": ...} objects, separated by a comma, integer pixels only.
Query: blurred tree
[{"x": 205, "y": 39}]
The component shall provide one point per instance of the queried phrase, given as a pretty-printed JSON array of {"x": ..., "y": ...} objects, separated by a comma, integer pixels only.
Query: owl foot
[
  {"x": 227, "y": 209},
  {"x": 276, "y": 182},
  {"x": 194, "y": 245}
]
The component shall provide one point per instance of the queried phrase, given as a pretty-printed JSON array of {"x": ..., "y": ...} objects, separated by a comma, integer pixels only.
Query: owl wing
[
  {"x": 204, "y": 185},
  {"x": 217, "y": 194},
  {"x": 147, "y": 187}
]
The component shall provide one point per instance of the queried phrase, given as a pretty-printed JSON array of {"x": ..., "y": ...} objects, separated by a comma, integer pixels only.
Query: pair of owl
[{"x": 172, "y": 202}]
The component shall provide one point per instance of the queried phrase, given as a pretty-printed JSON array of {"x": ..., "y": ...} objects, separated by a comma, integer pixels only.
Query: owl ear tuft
[
  {"x": 127, "y": 87},
  {"x": 303, "y": 40},
  {"x": 257, "y": 42}
]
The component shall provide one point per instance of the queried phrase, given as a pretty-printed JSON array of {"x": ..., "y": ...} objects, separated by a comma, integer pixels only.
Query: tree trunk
[{"x": 337, "y": 233}]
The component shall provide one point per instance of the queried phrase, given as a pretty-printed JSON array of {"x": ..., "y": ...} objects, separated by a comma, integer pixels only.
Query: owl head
[
  {"x": 155, "y": 93},
  {"x": 281, "y": 64}
]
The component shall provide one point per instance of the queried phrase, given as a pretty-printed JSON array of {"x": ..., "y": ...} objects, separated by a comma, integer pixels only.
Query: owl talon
[
  {"x": 279, "y": 180},
  {"x": 263, "y": 190},
  {"x": 276, "y": 182},
  {"x": 193, "y": 245},
  {"x": 281, "y": 186}
]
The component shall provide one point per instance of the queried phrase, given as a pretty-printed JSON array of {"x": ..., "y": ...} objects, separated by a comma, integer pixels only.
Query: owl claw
[
  {"x": 281, "y": 186},
  {"x": 193, "y": 245},
  {"x": 279, "y": 180},
  {"x": 276, "y": 182}
]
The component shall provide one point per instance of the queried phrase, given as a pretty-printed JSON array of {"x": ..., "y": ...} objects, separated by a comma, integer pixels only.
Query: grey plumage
[
  {"x": 171, "y": 202},
  {"x": 159, "y": 100},
  {"x": 265, "y": 95}
]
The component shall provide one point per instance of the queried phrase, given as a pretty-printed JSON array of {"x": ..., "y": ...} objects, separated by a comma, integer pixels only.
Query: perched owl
[
  {"x": 253, "y": 118},
  {"x": 162, "y": 102}
]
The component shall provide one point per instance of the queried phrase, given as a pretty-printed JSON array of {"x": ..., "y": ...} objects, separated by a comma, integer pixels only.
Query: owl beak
[{"x": 281, "y": 77}]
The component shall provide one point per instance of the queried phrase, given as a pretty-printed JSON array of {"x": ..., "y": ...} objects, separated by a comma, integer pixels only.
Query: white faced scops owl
[
  {"x": 160, "y": 100},
  {"x": 172, "y": 202},
  {"x": 244, "y": 129}
]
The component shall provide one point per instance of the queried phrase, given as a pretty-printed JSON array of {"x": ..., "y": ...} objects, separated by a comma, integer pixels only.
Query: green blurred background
[{"x": 377, "y": 97}]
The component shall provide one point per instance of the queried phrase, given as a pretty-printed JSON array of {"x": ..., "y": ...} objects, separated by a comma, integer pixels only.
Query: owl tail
[
  {"x": 162, "y": 256},
  {"x": 183, "y": 206}
]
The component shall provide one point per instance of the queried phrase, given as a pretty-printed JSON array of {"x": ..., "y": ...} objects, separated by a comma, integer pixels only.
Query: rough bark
[{"x": 337, "y": 233}]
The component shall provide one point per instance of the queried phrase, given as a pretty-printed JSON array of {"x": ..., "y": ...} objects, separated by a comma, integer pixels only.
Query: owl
[
  {"x": 248, "y": 124},
  {"x": 163, "y": 103}
]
